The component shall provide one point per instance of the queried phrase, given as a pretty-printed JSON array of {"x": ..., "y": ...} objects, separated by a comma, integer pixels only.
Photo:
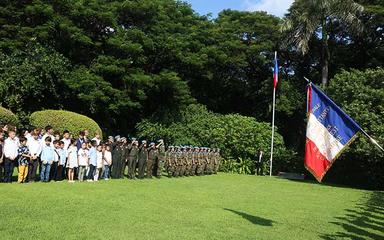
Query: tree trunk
[{"x": 324, "y": 55}]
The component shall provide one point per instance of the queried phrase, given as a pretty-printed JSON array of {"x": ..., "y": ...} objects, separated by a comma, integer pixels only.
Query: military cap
[
  {"x": 143, "y": 141},
  {"x": 152, "y": 144},
  {"x": 117, "y": 137}
]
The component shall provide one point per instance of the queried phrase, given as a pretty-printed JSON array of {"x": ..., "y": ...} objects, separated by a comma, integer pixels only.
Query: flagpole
[
  {"x": 372, "y": 140},
  {"x": 273, "y": 126}
]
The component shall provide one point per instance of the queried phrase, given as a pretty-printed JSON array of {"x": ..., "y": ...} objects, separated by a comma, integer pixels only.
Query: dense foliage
[
  {"x": 240, "y": 138},
  {"x": 64, "y": 120},
  {"x": 122, "y": 61},
  {"x": 8, "y": 117}
]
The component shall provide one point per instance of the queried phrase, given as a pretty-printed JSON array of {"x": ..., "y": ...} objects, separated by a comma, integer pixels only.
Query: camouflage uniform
[
  {"x": 159, "y": 165},
  {"x": 132, "y": 159},
  {"x": 195, "y": 160},
  {"x": 143, "y": 156},
  {"x": 200, "y": 164},
  {"x": 152, "y": 154}
]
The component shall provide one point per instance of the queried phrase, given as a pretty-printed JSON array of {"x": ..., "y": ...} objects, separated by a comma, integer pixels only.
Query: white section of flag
[{"x": 327, "y": 144}]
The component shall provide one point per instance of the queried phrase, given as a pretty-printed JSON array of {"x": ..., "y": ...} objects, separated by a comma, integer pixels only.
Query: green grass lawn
[{"x": 223, "y": 206}]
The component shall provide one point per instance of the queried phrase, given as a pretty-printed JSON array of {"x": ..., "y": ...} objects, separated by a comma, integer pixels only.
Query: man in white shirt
[
  {"x": 35, "y": 147},
  {"x": 10, "y": 150},
  {"x": 48, "y": 133},
  {"x": 97, "y": 139}
]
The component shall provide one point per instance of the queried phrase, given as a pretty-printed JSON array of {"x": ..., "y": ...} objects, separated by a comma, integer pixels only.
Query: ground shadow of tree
[
  {"x": 253, "y": 219},
  {"x": 365, "y": 221}
]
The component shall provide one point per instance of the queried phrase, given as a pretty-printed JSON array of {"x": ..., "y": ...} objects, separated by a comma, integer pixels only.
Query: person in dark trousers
[
  {"x": 11, "y": 146},
  {"x": 142, "y": 159}
]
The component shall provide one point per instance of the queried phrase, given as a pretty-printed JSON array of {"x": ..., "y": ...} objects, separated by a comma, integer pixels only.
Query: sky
[{"x": 275, "y": 7}]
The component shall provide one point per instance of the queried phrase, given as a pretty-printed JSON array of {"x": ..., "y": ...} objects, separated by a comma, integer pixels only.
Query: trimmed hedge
[
  {"x": 8, "y": 117},
  {"x": 64, "y": 120}
]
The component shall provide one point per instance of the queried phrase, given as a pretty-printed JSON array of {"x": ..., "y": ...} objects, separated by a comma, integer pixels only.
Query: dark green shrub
[
  {"x": 8, "y": 117},
  {"x": 64, "y": 120}
]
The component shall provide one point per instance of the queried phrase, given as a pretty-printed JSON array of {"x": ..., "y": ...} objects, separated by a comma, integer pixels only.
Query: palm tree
[{"x": 307, "y": 18}]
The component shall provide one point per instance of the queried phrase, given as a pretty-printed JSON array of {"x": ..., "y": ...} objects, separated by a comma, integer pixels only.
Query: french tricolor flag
[
  {"x": 329, "y": 132},
  {"x": 275, "y": 72}
]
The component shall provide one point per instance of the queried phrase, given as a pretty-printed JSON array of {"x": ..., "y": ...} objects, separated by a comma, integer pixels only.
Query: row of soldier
[{"x": 143, "y": 160}]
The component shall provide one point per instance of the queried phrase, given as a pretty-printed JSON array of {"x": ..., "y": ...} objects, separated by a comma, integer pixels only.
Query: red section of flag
[{"x": 314, "y": 161}]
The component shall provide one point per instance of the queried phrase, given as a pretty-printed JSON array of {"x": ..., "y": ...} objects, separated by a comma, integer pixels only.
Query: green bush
[
  {"x": 8, "y": 117},
  {"x": 64, "y": 120},
  {"x": 239, "y": 137}
]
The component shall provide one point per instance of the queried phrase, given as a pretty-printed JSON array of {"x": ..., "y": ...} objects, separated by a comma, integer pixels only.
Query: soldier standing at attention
[
  {"x": 189, "y": 161},
  {"x": 200, "y": 166},
  {"x": 151, "y": 159},
  {"x": 132, "y": 159},
  {"x": 116, "y": 158},
  {"x": 211, "y": 157},
  {"x": 124, "y": 156},
  {"x": 171, "y": 161},
  {"x": 142, "y": 157},
  {"x": 160, "y": 158},
  {"x": 183, "y": 161},
  {"x": 194, "y": 161},
  {"x": 177, "y": 161}
]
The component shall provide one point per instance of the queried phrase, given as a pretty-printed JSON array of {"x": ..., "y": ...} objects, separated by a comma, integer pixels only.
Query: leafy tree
[{"x": 308, "y": 19}]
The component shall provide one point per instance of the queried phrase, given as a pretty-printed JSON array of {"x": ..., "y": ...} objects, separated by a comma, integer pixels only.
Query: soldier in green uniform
[
  {"x": 152, "y": 152},
  {"x": 189, "y": 161},
  {"x": 168, "y": 160},
  {"x": 200, "y": 166},
  {"x": 159, "y": 165},
  {"x": 116, "y": 158},
  {"x": 124, "y": 156},
  {"x": 177, "y": 158},
  {"x": 194, "y": 154},
  {"x": 132, "y": 159},
  {"x": 142, "y": 157},
  {"x": 211, "y": 160},
  {"x": 183, "y": 161}
]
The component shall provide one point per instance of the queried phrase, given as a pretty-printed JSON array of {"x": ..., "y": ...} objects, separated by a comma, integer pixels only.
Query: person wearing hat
[
  {"x": 124, "y": 156},
  {"x": 132, "y": 158},
  {"x": 142, "y": 157},
  {"x": 188, "y": 157},
  {"x": 193, "y": 160},
  {"x": 159, "y": 164},
  {"x": 117, "y": 155},
  {"x": 177, "y": 161},
  {"x": 152, "y": 155},
  {"x": 199, "y": 167},
  {"x": 167, "y": 161}
]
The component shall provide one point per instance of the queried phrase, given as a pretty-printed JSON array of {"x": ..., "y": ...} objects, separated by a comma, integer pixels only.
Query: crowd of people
[{"x": 47, "y": 155}]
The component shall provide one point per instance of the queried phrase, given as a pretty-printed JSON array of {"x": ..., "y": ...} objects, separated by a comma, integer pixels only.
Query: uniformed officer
[
  {"x": 194, "y": 160},
  {"x": 142, "y": 157},
  {"x": 132, "y": 158},
  {"x": 159, "y": 164},
  {"x": 200, "y": 164},
  {"x": 116, "y": 158},
  {"x": 152, "y": 152},
  {"x": 177, "y": 159}
]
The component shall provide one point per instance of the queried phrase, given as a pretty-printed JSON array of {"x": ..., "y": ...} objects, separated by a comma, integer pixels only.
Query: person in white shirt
[
  {"x": 83, "y": 156},
  {"x": 107, "y": 161},
  {"x": 66, "y": 139},
  {"x": 99, "y": 166},
  {"x": 48, "y": 133},
  {"x": 35, "y": 147},
  {"x": 72, "y": 161},
  {"x": 97, "y": 138},
  {"x": 10, "y": 150}
]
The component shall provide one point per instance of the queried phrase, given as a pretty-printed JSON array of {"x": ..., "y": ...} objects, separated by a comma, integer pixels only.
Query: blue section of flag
[
  {"x": 276, "y": 68},
  {"x": 337, "y": 122}
]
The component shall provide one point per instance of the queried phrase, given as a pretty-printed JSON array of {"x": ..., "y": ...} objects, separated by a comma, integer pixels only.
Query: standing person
[
  {"x": 80, "y": 139},
  {"x": 47, "y": 157},
  {"x": 35, "y": 147},
  {"x": 66, "y": 139},
  {"x": 92, "y": 160},
  {"x": 48, "y": 133},
  {"x": 97, "y": 138},
  {"x": 99, "y": 164},
  {"x": 23, "y": 159},
  {"x": 86, "y": 135},
  {"x": 260, "y": 164},
  {"x": 142, "y": 157},
  {"x": 168, "y": 161},
  {"x": 72, "y": 160},
  {"x": 83, "y": 160},
  {"x": 125, "y": 156},
  {"x": 55, "y": 163},
  {"x": 200, "y": 167},
  {"x": 151, "y": 159},
  {"x": 62, "y": 161},
  {"x": 132, "y": 159},
  {"x": 11, "y": 145},
  {"x": 160, "y": 158},
  {"x": 117, "y": 155},
  {"x": 107, "y": 161},
  {"x": 1, "y": 156}
]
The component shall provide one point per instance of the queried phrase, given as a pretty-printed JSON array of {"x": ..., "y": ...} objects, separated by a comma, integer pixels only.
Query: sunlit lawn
[{"x": 220, "y": 206}]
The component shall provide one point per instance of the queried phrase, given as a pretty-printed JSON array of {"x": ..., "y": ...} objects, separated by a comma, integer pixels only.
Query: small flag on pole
[
  {"x": 329, "y": 132},
  {"x": 275, "y": 72}
]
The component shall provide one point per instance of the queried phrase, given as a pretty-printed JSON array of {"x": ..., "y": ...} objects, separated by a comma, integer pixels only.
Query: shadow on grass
[
  {"x": 253, "y": 219},
  {"x": 365, "y": 221}
]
